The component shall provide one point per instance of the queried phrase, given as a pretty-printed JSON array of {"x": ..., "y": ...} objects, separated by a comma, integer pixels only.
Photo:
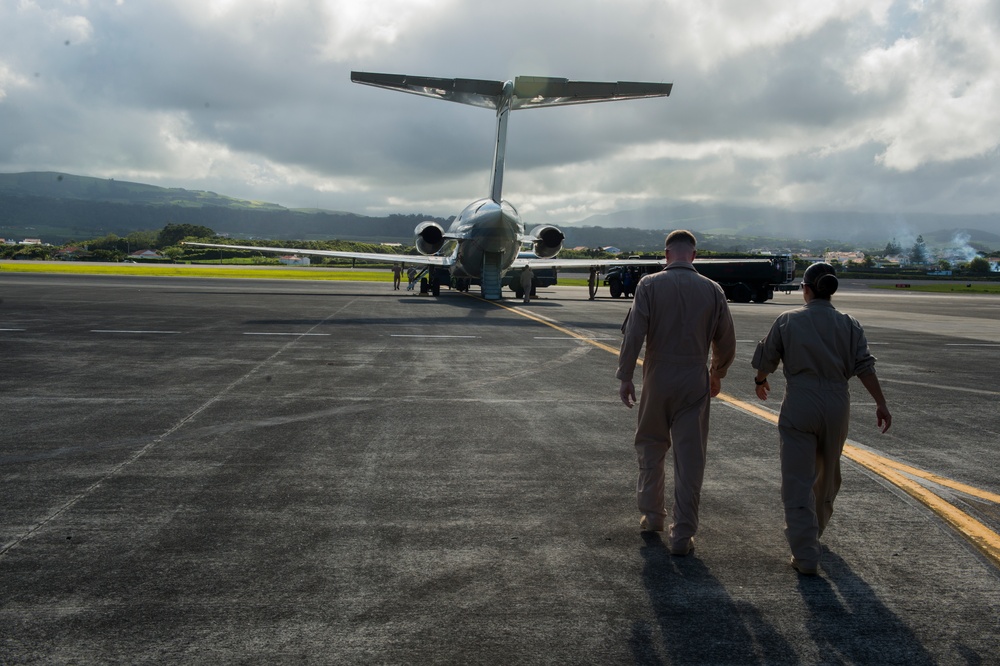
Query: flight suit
[
  {"x": 819, "y": 349},
  {"x": 527, "y": 277},
  {"x": 680, "y": 315}
]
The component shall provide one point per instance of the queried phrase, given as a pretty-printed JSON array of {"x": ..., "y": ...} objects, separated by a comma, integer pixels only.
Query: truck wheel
[
  {"x": 615, "y": 286},
  {"x": 742, "y": 293},
  {"x": 435, "y": 288}
]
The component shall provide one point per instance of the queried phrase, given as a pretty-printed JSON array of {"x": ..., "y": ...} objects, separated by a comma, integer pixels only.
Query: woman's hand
[{"x": 763, "y": 390}]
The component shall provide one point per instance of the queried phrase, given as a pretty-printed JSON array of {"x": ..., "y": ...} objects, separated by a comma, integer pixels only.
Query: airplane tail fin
[{"x": 524, "y": 92}]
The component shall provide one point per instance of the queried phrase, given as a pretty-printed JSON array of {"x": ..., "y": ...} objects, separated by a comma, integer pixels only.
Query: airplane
[{"x": 484, "y": 242}]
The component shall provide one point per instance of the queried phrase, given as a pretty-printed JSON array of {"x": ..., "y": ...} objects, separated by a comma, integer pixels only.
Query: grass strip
[
  {"x": 224, "y": 271},
  {"x": 948, "y": 288},
  {"x": 191, "y": 270}
]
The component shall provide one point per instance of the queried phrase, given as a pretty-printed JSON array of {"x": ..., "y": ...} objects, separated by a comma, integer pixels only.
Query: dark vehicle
[
  {"x": 544, "y": 277},
  {"x": 744, "y": 280}
]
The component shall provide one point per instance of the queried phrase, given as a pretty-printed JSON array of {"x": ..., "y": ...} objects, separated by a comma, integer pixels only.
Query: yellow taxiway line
[{"x": 896, "y": 473}]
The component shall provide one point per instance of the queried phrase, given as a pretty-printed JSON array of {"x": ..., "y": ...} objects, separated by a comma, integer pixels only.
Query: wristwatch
[{"x": 761, "y": 382}]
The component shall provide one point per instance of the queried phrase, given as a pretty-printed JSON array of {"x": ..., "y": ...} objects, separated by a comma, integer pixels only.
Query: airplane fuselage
[{"x": 486, "y": 227}]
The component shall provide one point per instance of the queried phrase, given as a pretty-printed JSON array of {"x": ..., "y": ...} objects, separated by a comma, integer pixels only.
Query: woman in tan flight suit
[{"x": 820, "y": 349}]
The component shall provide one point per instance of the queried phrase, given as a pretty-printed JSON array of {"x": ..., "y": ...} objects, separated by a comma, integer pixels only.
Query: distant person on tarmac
[
  {"x": 820, "y": 349},
  {"x": 397, "y": 274},
  {"x": 527, "y": 278},
  {"x": 680, "y": 315},
  {"x": 411, "y": 277}
]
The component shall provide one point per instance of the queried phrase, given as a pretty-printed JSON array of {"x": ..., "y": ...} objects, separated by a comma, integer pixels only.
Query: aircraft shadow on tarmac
[{"x": 699, "y": 622}]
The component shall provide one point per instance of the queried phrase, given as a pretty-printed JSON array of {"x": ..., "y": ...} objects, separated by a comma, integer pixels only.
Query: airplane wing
[
  {"x": 521, "y": 262},
  {"x": 416, "y": 259}
]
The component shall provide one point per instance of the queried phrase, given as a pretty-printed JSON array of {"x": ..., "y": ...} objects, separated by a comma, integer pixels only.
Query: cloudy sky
[{"x": 854, "y": 105}]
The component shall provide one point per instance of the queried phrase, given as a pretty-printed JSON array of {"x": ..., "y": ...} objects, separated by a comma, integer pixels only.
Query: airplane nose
[{"x": 497, "y": 230}]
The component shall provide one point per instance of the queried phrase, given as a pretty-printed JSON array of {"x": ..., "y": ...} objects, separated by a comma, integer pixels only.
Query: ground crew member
[
  {"x": 397, "y": 274},
  {"x": 680, "y": 315},
  {"x": 819, "y": 349},
  {"x": 527, "y": 278}
]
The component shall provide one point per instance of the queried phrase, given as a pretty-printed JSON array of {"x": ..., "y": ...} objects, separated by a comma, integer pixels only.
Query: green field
[
  {"x": 947, "y": 288},
  {"x": 191, "y": 270},
  {"x": 224, "y": 271}
]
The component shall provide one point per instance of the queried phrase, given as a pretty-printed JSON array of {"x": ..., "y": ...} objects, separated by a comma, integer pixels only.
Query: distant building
[
  {"x": 146, "y": 254},
  {"x": 31, "y": 241},
  {"x": 71, "y": 252},
  {"x": 611, "y": 249},
  {"x": 293, "y": 260},
  {"x": 844, "y": 258}
]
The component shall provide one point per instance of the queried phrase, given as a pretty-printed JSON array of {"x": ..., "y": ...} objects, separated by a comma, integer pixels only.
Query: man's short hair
[{"x": 681, "y": 236}]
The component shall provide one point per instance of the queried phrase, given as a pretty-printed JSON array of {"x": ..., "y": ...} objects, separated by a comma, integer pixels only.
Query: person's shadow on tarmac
[
  {"x": 848, "y": 622},
  {"x": 699, "y": 622}
]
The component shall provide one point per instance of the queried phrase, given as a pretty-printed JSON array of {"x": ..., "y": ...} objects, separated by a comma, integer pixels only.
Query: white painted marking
[
  {"x": 939, "y": 386},
  {"x": 969, "y": 344},
  {"x": 293, "y": 334},
  {"x": 401, "y": 335},
  {"x": 97, "y": 330},
  {"x": 12, "y": 329}
]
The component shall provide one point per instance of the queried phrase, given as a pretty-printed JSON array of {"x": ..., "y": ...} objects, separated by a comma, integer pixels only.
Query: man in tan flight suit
[{"x": 679, "y": 315}]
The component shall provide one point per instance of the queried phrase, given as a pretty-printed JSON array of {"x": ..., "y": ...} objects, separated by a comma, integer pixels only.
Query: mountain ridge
[{"x": 63, "y": 207}]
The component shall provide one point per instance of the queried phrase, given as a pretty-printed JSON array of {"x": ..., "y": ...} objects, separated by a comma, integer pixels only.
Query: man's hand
[
  {"x": 715, "y": 385},
  {"x": 626, "y": 391},
  {"x": 883, "y": 417}
]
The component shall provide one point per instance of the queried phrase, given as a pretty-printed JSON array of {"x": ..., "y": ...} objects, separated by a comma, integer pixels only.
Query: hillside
[
  {"x": 50, "y": 185},
  {"x": 60, "y": 208},
  {"x": 862, "y": 229}
]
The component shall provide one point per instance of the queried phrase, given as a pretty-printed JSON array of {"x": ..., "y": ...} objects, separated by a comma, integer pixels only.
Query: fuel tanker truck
[{"x": 744, "y": 280}]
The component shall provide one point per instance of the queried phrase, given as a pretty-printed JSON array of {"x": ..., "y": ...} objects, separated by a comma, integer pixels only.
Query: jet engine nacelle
[
  {"x": 430, "y": 237},
  {"x": 546, "y": 241}
]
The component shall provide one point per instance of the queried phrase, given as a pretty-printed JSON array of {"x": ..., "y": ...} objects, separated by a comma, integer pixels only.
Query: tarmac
[{"x": 256, "y": 471}]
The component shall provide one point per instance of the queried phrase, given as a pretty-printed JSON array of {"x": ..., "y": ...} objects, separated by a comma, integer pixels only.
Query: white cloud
[
  {"x": 946, "y": 81},
  {"x": 885, "y": 106}
]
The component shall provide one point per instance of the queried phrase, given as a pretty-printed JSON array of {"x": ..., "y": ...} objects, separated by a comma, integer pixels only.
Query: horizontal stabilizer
[
  {"x": 529, "y": 91},
  {"x": 535, "y": 91},
  {"x": 474, "y": 92}
]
